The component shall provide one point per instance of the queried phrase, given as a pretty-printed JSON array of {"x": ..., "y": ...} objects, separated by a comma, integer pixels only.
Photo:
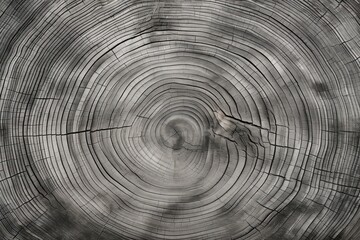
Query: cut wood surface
[{"x": 135, "y": 119}]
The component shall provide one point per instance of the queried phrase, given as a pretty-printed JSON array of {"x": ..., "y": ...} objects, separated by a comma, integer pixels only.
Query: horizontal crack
[
  {"x": 77, "y": 132},
  {"x": 245, "y": 122}
]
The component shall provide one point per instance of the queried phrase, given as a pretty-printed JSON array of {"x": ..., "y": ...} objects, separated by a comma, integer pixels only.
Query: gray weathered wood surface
[{"x": 135, "y": 119}]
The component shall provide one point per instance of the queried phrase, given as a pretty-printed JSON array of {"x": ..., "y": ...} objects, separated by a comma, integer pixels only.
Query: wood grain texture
[{"x": 139, "y": 119}]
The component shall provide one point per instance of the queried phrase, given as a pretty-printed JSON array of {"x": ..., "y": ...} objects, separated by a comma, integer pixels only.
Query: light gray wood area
[{"x": 135, "y": 119}]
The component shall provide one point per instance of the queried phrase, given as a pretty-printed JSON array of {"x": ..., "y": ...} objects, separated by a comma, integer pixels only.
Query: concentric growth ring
[{"x": 179, "y": 119}]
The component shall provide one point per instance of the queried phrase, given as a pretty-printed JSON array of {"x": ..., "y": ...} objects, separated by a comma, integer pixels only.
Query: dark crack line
[
  {"x": 231, "y": 140},
  {"x": 246, "y": 122},
  {"x": 77, "y": 132}
]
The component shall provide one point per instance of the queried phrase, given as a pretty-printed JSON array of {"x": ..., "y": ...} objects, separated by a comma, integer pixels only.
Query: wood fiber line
[{"x": 179, "y": 119}]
